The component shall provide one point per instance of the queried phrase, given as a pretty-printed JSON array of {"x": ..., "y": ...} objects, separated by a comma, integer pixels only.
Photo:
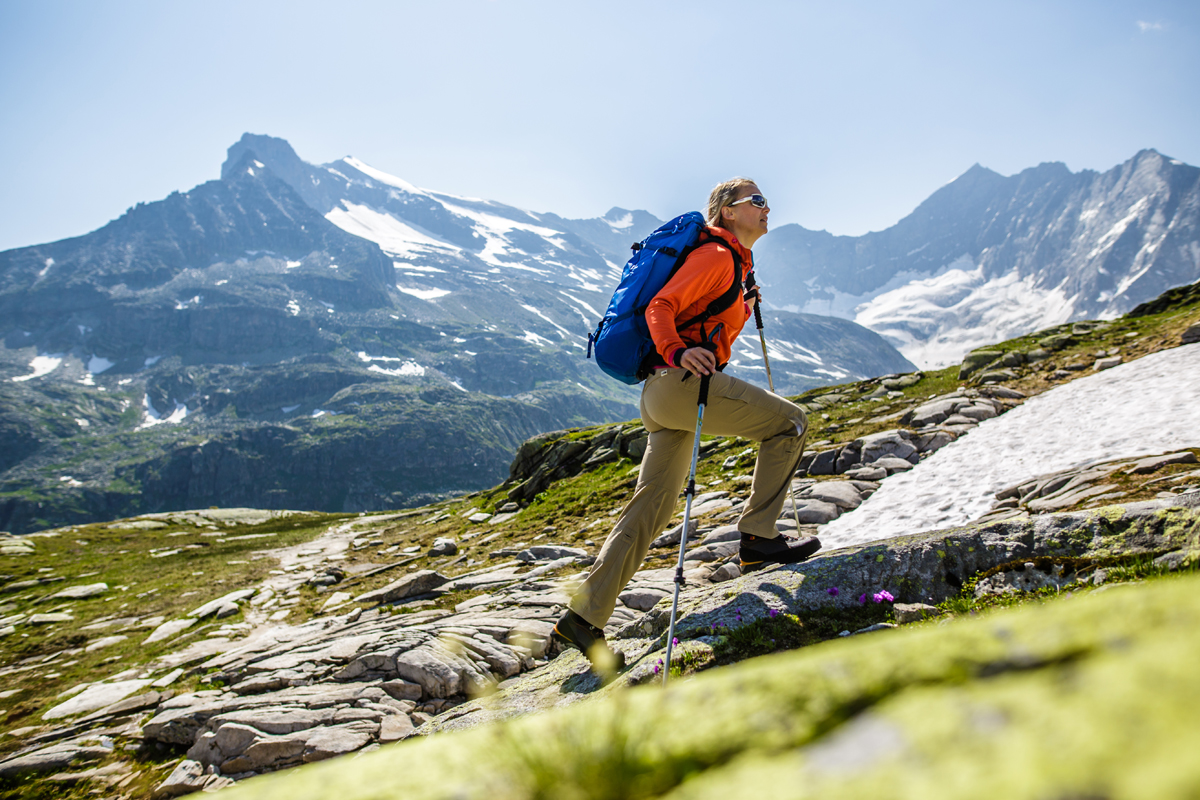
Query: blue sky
[{"x": 848, "y": 114}]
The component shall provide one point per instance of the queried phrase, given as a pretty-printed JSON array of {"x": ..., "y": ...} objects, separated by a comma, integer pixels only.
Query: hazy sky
[{"x": 847, "y": 113}]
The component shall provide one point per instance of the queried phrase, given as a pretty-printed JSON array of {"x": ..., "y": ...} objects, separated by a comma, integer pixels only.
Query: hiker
[{"x": 736, "y": 218}]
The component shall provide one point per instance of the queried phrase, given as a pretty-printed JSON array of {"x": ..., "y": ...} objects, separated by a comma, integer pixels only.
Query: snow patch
[
  {"x": 1065, "y": 427},
  {"x": 155, "y": 417},
  {"x": 537, "y": 341},
  {"x": 622, "y": 223},
  {"x": 293, "y": 264},
  {"x": 935, "y": 321},
  {"x": 41, "y": 365},
  {"x": 293, "y": 308},
  {"x": 391, "y": 234},
  {"x": 289, "y": 409},
  {"x": 382, "y": 177},
  {"x": 98, "y": 364},
  {"x": 424, "y": 294}
]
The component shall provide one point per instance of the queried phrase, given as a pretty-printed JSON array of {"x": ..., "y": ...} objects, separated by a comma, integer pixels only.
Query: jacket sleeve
[{"x": 703, "y": 277}]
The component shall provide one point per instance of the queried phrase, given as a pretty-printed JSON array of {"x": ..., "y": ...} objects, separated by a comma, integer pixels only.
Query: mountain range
[
  {"x": 328, "y": 337},
  {"x": 988, "y": 257}
]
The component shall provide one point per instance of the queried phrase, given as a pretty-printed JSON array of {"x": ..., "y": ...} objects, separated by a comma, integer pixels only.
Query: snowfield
[{"x": 1145, "y": 407}]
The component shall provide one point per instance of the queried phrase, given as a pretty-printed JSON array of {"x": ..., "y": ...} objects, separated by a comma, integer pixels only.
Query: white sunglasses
[{"x": 756, "y": 200}]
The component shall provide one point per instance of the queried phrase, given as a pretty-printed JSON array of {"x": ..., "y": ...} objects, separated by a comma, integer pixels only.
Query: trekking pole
[
  {"x": 690, "y": 493},
  {"x": 771, "y": 384}
]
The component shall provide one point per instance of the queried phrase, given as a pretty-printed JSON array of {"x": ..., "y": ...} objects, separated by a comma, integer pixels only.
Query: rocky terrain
[
  {"x": 181, "y": 651},
  {"x": 294, "y": 335}
]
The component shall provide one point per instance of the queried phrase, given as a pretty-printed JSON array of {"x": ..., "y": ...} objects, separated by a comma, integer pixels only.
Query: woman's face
[{"x": 745, "y": 221}]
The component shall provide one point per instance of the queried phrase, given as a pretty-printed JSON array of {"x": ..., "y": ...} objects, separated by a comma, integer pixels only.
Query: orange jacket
[{"x": 704, "y": 276}]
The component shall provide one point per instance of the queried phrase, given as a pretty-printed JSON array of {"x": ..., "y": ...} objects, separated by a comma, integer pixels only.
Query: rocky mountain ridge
[{"x": 990, "y": 257}]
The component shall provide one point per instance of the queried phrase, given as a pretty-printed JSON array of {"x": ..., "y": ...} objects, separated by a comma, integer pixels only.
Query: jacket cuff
[{"x": 676, "y": 357}]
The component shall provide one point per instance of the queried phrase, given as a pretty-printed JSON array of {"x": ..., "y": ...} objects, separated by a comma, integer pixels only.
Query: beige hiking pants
[{"x": 669, "y": 407}]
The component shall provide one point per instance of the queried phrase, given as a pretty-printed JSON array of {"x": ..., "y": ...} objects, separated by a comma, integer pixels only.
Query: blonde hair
[{"x": 722, "y": 195}]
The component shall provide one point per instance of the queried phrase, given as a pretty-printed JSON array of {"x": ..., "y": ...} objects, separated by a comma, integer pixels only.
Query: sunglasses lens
[{"x": 758, "y": 201}]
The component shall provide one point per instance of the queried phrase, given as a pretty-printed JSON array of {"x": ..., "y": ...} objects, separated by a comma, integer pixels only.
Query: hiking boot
[
  {"x": 757, "y": 552},
  {"x": 573, "y": 630}
]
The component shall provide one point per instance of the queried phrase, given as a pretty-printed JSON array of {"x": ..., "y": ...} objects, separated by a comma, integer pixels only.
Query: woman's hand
[
  {"x": 753, "y": 297},
  {"x": 698, "y": 361}
]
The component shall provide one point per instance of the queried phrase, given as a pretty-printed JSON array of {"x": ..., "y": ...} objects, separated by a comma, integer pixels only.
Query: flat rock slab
[
  {"x": 214, "y": 606},
  {"x": 80, "y": 592},
  {"x": 51, "y": 759},
  {"x": 95, "y": 697},
  {"x": 169, "y": 629},
  {"x": 420, "y": 582},
  {"x": 1153, "y": 463}
]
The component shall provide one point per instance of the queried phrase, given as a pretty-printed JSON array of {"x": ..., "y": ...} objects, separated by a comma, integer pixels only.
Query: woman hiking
[{"x": 736, "y": 218}]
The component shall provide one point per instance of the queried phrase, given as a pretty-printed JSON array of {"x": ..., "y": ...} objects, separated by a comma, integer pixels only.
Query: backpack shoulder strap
[{"x": 727, "y": 298}]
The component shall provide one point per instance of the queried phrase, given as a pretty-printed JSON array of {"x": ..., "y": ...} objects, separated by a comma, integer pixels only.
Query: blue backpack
[{"x": 624, "y": 348}]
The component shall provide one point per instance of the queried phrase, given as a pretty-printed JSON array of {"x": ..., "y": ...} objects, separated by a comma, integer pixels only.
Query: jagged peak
[{"x": 271, "y": 151}]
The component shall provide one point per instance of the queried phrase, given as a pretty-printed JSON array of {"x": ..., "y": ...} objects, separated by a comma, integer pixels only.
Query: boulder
[
  {"x": 825, "y": 462},
  {"x": 933, "y": 412},
  {"x": 725, "y": 572},
  {"x": 1106, "y": 363},
  {"x": 395, "y": 727},
  {"x": 811, "y": 512},
  {"x": 842, "y": 494},
  {"x": 871, "y": 473},
  {"x": 977, "y": 360},
  {"x": 401, "y": 690},
  {"x": 533, "y": 635},
  {"x": 550, "y": 552},
  {"x": 913, "y": 612},
  {"x": 421, "y": 582},
  {"x": 1191, "y": 335},
  {"x": 671, "y": 536},
  {"x": 447, "y": 547},
  {"x": 725, "y": 533},
  {"x": 187, "y": 777},
  {"x": 894, "y": 465},
  {"x": 429, "y": 669},
  {"x": 895, "y": 444},
  {"x": 642, "y": 599}
]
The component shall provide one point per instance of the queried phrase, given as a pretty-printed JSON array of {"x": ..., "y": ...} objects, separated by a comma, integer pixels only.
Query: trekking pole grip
[
  {"x": 758, "y": 316},
  {"x": 704, "y": 379}
]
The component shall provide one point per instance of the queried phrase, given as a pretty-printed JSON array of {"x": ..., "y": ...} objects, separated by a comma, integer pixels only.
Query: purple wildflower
[
  {"x": 773, "y": 613},
  {"x": 886, "y": 595},
  {"x": 862, "y": 599},
  {"x": 675, "y": 642},
  {"x": 656, "y": 668},
  {"x": 832, "y": 591}
]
